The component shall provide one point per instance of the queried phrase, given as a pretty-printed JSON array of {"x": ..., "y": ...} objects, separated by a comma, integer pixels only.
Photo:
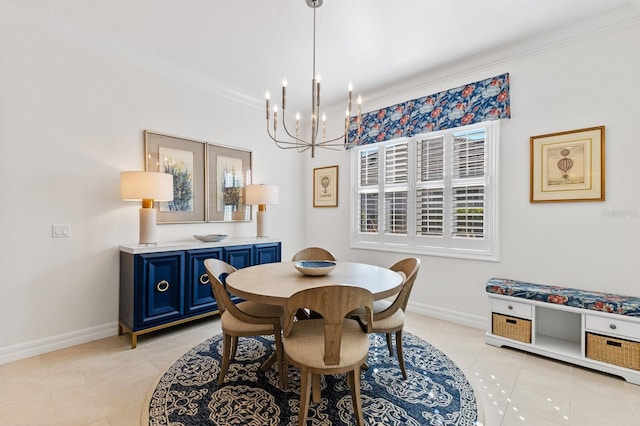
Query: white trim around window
[{"x": 433, "y": 194}]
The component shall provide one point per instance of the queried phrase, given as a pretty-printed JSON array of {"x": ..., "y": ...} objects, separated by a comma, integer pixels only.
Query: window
[{"x": 434, "y": 193}]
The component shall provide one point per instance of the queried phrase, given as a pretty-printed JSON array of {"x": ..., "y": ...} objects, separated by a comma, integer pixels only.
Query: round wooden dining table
[{"x": 274, "y": 283}]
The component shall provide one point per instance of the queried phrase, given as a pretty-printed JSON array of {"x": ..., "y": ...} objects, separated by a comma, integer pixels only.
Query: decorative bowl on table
[
  {"x": 315, "y": 268},
  {"x": 210, "y": 238}
]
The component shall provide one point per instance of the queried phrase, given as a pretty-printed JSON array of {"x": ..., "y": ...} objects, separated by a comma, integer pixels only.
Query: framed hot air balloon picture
[
  {"x": 568, "y": 166},
  {"x": 325, "y": 186}
]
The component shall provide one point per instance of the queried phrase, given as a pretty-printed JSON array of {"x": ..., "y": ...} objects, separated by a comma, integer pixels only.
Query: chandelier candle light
[{"x": 296, "y": 141}]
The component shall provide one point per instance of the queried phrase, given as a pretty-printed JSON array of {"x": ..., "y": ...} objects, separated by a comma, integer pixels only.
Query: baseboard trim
[
  {"x": 456, "y": 317},
  {"x": 66, "y": 340},
  {"x": 53, "y": 343}
]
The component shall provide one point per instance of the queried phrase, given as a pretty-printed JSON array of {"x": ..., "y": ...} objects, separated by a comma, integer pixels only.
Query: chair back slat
[
  {"x": 332, "y": 343},
  {"x": 313, "y": 253},
  {"x": 409, "y": 267},
  {"x": 217, "y": 270},
  {"x": 333, "y": 303}
]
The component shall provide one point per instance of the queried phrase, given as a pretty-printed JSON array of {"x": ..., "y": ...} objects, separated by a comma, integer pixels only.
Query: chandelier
[{"x": 293, "y": 140}]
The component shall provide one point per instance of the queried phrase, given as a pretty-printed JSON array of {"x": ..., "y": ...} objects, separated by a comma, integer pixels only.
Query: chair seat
[
  {"x": 231, "y": 323},
  {"x": 394, "y": 321},
  {"x": 305, "y": 344}
]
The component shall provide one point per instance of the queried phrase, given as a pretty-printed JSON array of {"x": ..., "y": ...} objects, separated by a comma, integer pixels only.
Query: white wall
[
  {"x": 70, "y": 120},
  {"x": 581, "y": 83}
]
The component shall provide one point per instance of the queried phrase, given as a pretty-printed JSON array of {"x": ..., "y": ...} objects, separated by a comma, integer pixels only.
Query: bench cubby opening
[{"x": 558, "y": 330}]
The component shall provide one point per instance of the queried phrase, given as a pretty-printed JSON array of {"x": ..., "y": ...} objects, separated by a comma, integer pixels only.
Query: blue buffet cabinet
[{"x": 165, "y": 285}]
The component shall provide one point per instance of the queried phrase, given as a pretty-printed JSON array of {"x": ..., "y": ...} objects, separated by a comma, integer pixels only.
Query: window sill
[{"x": 450, "y": 253}]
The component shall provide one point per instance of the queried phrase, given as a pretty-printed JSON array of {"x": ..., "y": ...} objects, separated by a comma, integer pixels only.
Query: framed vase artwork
[
  {"x": 325, "y": 186},
  {"x": 228, "y": 172},
  {"x": 568, "y": 166},
  {"x": 185, "y": 160}
]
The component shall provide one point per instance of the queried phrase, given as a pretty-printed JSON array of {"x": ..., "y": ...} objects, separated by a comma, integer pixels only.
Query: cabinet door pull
[
  {"x": 162, "y": 286},
  {"x": 612, "y": 343},
  {"x": 612, "y": 326},
  {"x": 510, "y": 307},
  {"x": 204, "y": 279}
]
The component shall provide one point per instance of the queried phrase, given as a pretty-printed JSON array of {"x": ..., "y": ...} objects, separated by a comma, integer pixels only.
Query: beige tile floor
[{"x": 105, "y": 382}]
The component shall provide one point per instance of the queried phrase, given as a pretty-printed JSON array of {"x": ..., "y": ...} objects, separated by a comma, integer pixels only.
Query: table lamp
[
  {"x": 147, "y": 187},
  {"x": 261, "y": 195}
]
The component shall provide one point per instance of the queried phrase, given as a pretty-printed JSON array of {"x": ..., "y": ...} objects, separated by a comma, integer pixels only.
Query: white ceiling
[{"x": 241, "y": 48}]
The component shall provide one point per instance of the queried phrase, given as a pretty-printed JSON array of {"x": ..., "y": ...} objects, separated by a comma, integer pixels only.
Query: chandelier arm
[
  {"x": 345, "y": 141},
  {"x": 329, "y": 141},
  {"x": 298, "y": 142},
  {"x": 280, "y": 144},
  {"x": 294, "y": 147},
  {"x": 279, "y": 141},
  {"x": 301, "y": 148},
  {"x": 306, "y": 148},
  {"x": 336, "y": 147}
]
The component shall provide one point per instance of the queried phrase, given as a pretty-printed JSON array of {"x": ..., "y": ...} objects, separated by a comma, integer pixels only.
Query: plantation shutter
[
  {"x": 369, "y": 171},
  {"x": 468, "y": 184},
  {"x": 430, "y": 187},
  {"x": 396, "y": 179},
  {"x": 434, "y": 193}
]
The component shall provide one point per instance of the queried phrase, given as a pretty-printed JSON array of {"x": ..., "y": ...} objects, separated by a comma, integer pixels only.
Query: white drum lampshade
[
  {"x": 146, "y": 187},
  {"x": 262, "y": 195}
]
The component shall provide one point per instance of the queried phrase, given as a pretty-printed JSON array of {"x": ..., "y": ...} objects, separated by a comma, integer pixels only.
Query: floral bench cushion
[{"x": 597, "y": 301}]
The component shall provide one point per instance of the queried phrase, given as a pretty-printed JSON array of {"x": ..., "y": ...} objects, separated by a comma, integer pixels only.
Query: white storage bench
[{"x": 591, "y": 329}]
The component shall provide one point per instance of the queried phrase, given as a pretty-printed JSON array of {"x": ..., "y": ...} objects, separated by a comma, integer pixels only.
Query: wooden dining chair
[
  {"x": 332, "y": 344},
  {"x": 244, "y": 319},
  {"x": 388, "y": 317},
  {"x": 313, "y": 253}
]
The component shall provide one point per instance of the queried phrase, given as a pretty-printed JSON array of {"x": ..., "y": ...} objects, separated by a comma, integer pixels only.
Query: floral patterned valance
[{"x": 472, "y": 103}]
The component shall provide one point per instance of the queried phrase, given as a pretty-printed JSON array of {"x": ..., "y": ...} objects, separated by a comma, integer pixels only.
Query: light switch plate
[{"x": 60, "y": 230}]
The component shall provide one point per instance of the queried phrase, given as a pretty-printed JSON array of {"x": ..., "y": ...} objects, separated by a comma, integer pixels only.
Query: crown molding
[
  {"x": 36, "y": 21},
  {"x": 500, "y": 57},
  {"x": 456, "y": 73}
]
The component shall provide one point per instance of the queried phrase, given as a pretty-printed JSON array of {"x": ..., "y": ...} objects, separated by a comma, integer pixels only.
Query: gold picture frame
[
  {"x": 185, "y": 160},
  {"x": 228, "y": 171},
  {"x": 325, "y": 186},
  {"x": 568, "y": 166}
]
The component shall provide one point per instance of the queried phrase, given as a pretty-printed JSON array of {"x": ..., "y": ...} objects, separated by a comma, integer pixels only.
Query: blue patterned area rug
[{"x": 435, "y": 393}]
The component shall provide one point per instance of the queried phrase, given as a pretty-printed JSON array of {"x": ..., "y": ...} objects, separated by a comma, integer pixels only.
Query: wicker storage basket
[
  {"x": 511, "y": 327},
  {"x": 613, "y": 351}
]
